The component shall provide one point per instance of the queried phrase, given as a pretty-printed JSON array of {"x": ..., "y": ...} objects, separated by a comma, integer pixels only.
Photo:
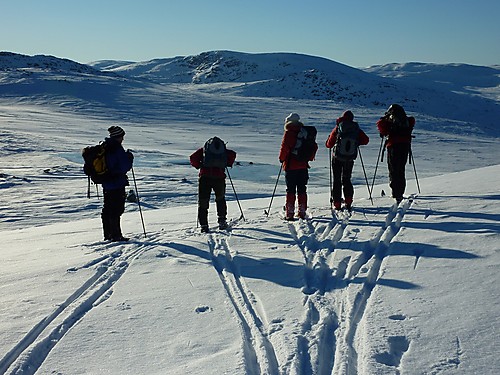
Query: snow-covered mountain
[
  {"x": 462, "y": 78},
  {"x": 307, "y": 77},
  {"x": 272, "y": 75}
]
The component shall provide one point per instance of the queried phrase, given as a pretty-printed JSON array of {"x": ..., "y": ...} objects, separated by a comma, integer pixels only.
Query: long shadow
[
  {"x": 424, "y": 250},
  {"x": 293, "y": 274}
]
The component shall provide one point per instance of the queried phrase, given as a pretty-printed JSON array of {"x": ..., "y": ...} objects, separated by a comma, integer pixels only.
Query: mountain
[
  {"x": 308, "y": 77},
  {"x": 463, "y": 78},
  {"x": 470, "y": 103}
]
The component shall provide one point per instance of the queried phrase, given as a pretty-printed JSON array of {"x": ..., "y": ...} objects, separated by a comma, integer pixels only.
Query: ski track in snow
[
  {"x": 327, "y": 343},
  {"x": 30, "y": 352},
  {"x": 259, "y": 354}
]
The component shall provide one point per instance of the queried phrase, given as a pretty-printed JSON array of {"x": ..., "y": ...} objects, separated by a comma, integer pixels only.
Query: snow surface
[{"x": 391, "y": 290}]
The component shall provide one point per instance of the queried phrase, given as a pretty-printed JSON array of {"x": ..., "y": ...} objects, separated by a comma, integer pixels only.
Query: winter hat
[
  {"x": 348, "y": 116},
  {"x": 396, "y": 110},
  {"x": 292, "y": 117},
  {"x": 116, "y": 132}
]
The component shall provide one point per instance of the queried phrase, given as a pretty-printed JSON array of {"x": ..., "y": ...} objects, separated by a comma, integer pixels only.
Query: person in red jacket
[
  {"x": 342, "y": 165},
  {"x": 296, "y": 170},
  {"x": 397, "y": 127},
  {"x": 212, "y": 177}
]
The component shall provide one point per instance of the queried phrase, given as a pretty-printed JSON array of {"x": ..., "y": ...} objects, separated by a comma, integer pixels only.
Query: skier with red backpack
[
  {"x": 397, "y": 127},
  {"x": 345, "y": 139},
  {"x": 298, "y": 148},
  {"x": 212, "y": 160}
]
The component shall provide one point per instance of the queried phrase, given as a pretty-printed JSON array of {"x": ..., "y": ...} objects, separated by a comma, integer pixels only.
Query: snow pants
[
  {"x": 397, "y": 157},
  {"x": 112, "y": 210},
  {"x": 205, "y": 186},
  {"x": 296, "y": 184},
  {"x": 342, "y": 172}
]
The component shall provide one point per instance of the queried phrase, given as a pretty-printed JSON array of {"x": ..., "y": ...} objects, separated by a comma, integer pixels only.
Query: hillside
[
  {"x": 280, "y": 75},
  {"x": 308, "y": 77}
]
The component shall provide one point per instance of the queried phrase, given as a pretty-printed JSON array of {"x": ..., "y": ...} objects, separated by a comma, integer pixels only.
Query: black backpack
[
  {"x": 346, "y": 145},
  {"x": 400, "y": 126},
  {"x": 214, "y": 153},
  {"x": 306, "y": 143},
  {"x": 95, "y": 163}
]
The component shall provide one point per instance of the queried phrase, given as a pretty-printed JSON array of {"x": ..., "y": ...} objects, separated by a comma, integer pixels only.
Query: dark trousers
[
  {"x": 397, "y": 157},
  {"x": 112, "y": 210},
  {"x": 342, "y": 172},
  {"x": 205, "y": 186},
  {"x": 296, "y": 181}
]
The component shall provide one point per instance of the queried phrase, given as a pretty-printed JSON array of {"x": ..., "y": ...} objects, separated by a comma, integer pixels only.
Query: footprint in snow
[{"x": 202, "y": 309}]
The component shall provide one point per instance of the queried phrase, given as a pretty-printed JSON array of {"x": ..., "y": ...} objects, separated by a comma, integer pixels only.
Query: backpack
[
  {"x": 400, "y": 126},
  {"x": 346, "y": 146},
  {"x": 214, "y": 154},
  {"x": 306, "y": 143},
  {"x": 95, "y": 163}
]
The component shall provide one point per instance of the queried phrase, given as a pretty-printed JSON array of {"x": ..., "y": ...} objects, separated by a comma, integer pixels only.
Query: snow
[{"x": 408, "y": 289}]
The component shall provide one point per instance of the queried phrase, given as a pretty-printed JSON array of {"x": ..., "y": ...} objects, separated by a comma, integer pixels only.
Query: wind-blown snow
[{"x": 409, "y": 290}]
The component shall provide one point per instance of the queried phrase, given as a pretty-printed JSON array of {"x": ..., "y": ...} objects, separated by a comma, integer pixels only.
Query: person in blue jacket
[{"x": 118, "y": 162}]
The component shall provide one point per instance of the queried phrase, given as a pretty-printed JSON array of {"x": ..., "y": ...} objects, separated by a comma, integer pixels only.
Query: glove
[{"x": 130, "y": 155}]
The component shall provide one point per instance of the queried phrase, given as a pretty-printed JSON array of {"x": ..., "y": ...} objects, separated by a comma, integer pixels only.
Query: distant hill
[
  {"x": 470, "y": 95},
  {"x": 459, "y": 94},
  {"x": 483, "y": 80},
  {"x": 15, "y": 62}
]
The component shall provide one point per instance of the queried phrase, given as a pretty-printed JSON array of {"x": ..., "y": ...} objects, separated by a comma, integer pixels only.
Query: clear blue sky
[{"x": 358, "y": 33}]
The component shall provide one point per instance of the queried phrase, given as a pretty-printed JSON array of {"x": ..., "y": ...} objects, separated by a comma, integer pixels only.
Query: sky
[{"x": 358, "y": 33}]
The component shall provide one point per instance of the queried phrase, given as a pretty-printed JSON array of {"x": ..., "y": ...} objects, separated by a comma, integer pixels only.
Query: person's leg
[
  {"x": 337, "y": 183},
  {"x": 397, "y": 157},
  {"x": 302, "y": 179},
  {"x": 347, "y": 183},
  {"x": 291, "y": 189},
  {"x": 113, "y": 208},
  {"x": 219, "y": 185},
  {"x": 204, "y": 190}
]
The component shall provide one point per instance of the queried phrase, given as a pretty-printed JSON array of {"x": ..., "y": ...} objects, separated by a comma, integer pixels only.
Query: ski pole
[
  {"x": 138, "y": 201},
  {"x": 366, "y": 178},
  {"x": 236, "y": 195},
  {"x": 331, "y": 178},
  {"x": 274, "y": 191},
  {"x": 414, "y": 169},
  {"x": 376, "y": 165}
]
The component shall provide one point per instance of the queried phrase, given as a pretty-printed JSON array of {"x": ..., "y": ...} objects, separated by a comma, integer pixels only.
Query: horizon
[{"x": 435, "y": 33}]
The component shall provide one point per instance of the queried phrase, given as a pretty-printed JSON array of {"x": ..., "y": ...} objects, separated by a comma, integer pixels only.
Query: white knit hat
[{"x": 292, "y": 117}]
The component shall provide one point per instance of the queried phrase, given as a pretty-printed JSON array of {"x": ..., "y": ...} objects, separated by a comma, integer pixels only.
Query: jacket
[
  {"x": 196, "y": 160},
  {"x": 119, "y": 162},
  {"x": 384, "y": 126},
  {"x": 288, "y": 142}
]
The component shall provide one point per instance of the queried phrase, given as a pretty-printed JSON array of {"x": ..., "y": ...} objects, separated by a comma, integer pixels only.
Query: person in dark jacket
[
  {"x": 212, "y": 178},
  {"x": 296, "y": 171},
  {"x": 397, "y": 127},
  {"x": 342, "y": 168},
  {"x": 118, "y": 162}
]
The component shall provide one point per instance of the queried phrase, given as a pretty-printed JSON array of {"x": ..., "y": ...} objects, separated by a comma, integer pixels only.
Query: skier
[
  {"x": 118, "y": 162},
  {"x": 295, "y": 167},
  {"x": 345, "y": 139},
  {"x": 397, "y": 127},
  {"x": 211, "y": 160}
]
